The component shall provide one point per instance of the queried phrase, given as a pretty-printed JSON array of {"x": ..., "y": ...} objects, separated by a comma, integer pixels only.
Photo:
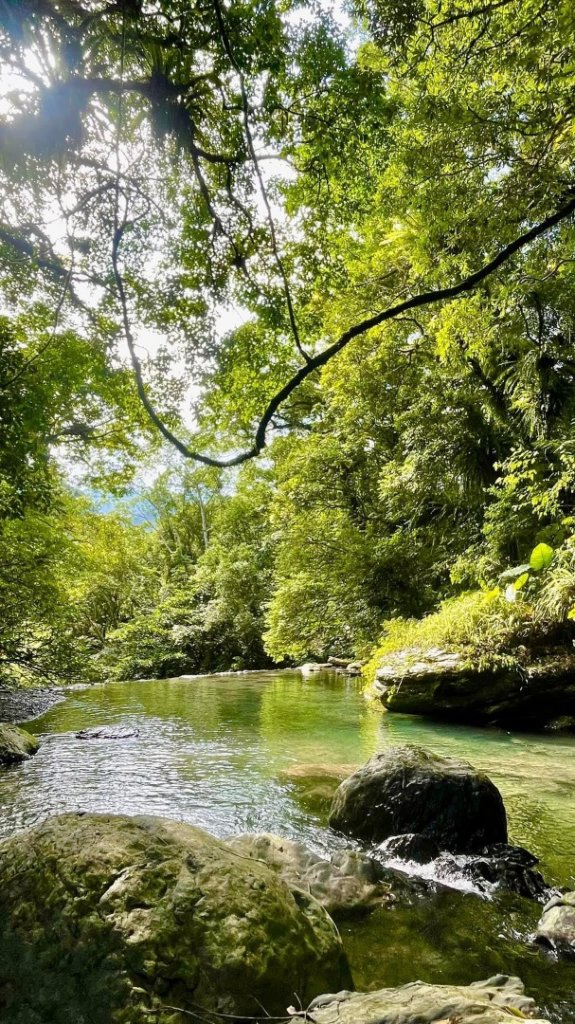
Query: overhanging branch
[{"x": 432, "y": 297}]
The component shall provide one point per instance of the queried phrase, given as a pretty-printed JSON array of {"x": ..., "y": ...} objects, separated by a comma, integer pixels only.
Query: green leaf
[
  {"x": 521, "y": 581},
  {"x": 541, "y": 557}
]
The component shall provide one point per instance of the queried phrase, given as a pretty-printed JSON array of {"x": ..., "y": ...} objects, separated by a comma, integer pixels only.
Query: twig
[{"x": 255, "y": 159}]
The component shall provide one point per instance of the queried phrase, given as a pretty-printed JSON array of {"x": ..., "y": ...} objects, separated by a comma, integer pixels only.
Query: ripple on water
[{"x": 224, "y": 753}]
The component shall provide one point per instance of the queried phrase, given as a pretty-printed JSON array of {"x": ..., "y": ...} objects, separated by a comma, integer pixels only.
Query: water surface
[{"x": 230, "y": 754}]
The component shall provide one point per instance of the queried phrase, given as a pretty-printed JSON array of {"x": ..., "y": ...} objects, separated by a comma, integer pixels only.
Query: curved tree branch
[{"x": 467, "y": 284}]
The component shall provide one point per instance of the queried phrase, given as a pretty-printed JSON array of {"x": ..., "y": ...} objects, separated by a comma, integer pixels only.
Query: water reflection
[
  {"x": 214, "y": 751},
  {"x": 218, "y": 752}
]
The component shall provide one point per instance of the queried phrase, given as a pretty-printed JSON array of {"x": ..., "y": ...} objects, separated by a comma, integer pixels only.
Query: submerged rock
[
  {"x": 496, "y": 1001},
  {"x": 16, "y": 744},
  {"x": 446, "y": 684},
  {"x": 556, "y": 929},
  {"x": 407, "y": 789},
  {"x": 314, "y": 785},
  {"x": 108, "y": 918},
  {"x": 108, "y": 732},
  {"x": 347, "y": 884}
]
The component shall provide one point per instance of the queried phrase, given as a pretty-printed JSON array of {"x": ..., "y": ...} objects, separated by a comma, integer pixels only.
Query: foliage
[{"x": 215, "y": 209}]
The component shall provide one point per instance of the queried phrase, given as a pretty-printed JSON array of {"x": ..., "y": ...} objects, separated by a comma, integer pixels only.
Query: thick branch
[{"x": 432, "y": 297}]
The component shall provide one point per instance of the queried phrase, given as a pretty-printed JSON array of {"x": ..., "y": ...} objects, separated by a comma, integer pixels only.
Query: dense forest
[{"x": 287, "y": 331}]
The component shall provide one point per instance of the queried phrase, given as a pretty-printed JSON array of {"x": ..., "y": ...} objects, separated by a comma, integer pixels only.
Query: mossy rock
[
  {"x": 498, "y": 1000},
  {"x": 457, "y": 686},
  {"x": 108, "y": 918},
  {"x": 346, "y": 885},
  {"x": 16, "y": 744},
  {"x": 407, "y": 789}
]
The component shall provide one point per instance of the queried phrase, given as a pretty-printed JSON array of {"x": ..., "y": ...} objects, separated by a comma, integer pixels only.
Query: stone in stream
[
  {"x": 511, "y": 868},
  {"x": 499, "y": 866},
  {"x": 349, "y": 883},
  {"x": 16, "y": 744},
  {"x": 556, "y": 929},
  {"x": 498, "y": 1000},
  {"x": 314, "y": 785},
  {"x": 450, "y": 684},
  {"x": 407, "y": 789},
  {"x": 115, "y": 918},
  {"x": 108, "y": 732},
  {"x": 412, "y": 846}
]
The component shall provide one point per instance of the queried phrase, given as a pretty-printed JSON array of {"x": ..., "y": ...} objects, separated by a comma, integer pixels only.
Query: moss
[
  {"x": 490, "y": 633},
  {"x": 16, "y": 744},
  {"x": 106, "y": 917}
]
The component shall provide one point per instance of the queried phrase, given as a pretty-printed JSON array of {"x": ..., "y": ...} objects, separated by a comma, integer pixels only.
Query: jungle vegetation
[{"x": 287, "y": 342}]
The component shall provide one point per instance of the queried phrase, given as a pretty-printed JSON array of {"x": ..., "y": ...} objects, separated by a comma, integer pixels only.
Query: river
[{"x": 240, "y": 753}]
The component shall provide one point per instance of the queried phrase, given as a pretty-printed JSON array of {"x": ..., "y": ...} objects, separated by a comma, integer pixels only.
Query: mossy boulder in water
[
  {"x": 16, "y": 744},
  {"x": 456, "y": 686},
  {"x": 108, "y": 918},
  {"x": 498, "y": 1000},
  {"x": 409, "y": 790},
  {"x": 347, "y": 884}
]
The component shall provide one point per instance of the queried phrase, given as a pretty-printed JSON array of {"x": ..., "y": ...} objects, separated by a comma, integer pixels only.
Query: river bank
[{"x": 24, "y": 705}]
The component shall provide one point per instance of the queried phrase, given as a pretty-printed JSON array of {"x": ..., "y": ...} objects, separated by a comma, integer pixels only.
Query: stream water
[{"x": 259, "y": 752}]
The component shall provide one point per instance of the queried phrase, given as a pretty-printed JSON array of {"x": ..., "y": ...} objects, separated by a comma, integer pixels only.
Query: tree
[{"x": 450, "y": 112}]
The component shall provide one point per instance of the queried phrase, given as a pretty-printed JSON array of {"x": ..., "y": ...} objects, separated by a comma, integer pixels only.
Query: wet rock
[
  {"x": 407, "y": 789},
  {"x": 556, "y": 929},
  {"x": 412, "y": 846},
  {"x": 114, "y": 918},
  {"x": 16, "y": 744},
  {"x": 108, "y": 732},
  {"x": 508, "y": 867},
  {"x": 495, "y": 1001},
  {"x": 346, "y": 885},
  {"x": 447, "y": 684}
]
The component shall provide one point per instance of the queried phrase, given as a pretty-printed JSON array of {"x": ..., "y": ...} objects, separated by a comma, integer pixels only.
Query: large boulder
[
  {"x": 347, "y": 884},
  {"x": 16, "y": 744},
  {"x": 498, "y": 1000},
  {"x": 556, "y": 929},
  {"x": 407, "y": 789},
  {"x": 115, "y": 918},
  {"x": 448, "y": 684}
]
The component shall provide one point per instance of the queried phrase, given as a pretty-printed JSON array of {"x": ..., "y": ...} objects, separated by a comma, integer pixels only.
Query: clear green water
[{"x": 228, "y": 754}]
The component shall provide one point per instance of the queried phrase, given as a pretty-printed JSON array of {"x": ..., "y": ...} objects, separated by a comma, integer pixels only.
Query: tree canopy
[{"x": 342, "y": 234}]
